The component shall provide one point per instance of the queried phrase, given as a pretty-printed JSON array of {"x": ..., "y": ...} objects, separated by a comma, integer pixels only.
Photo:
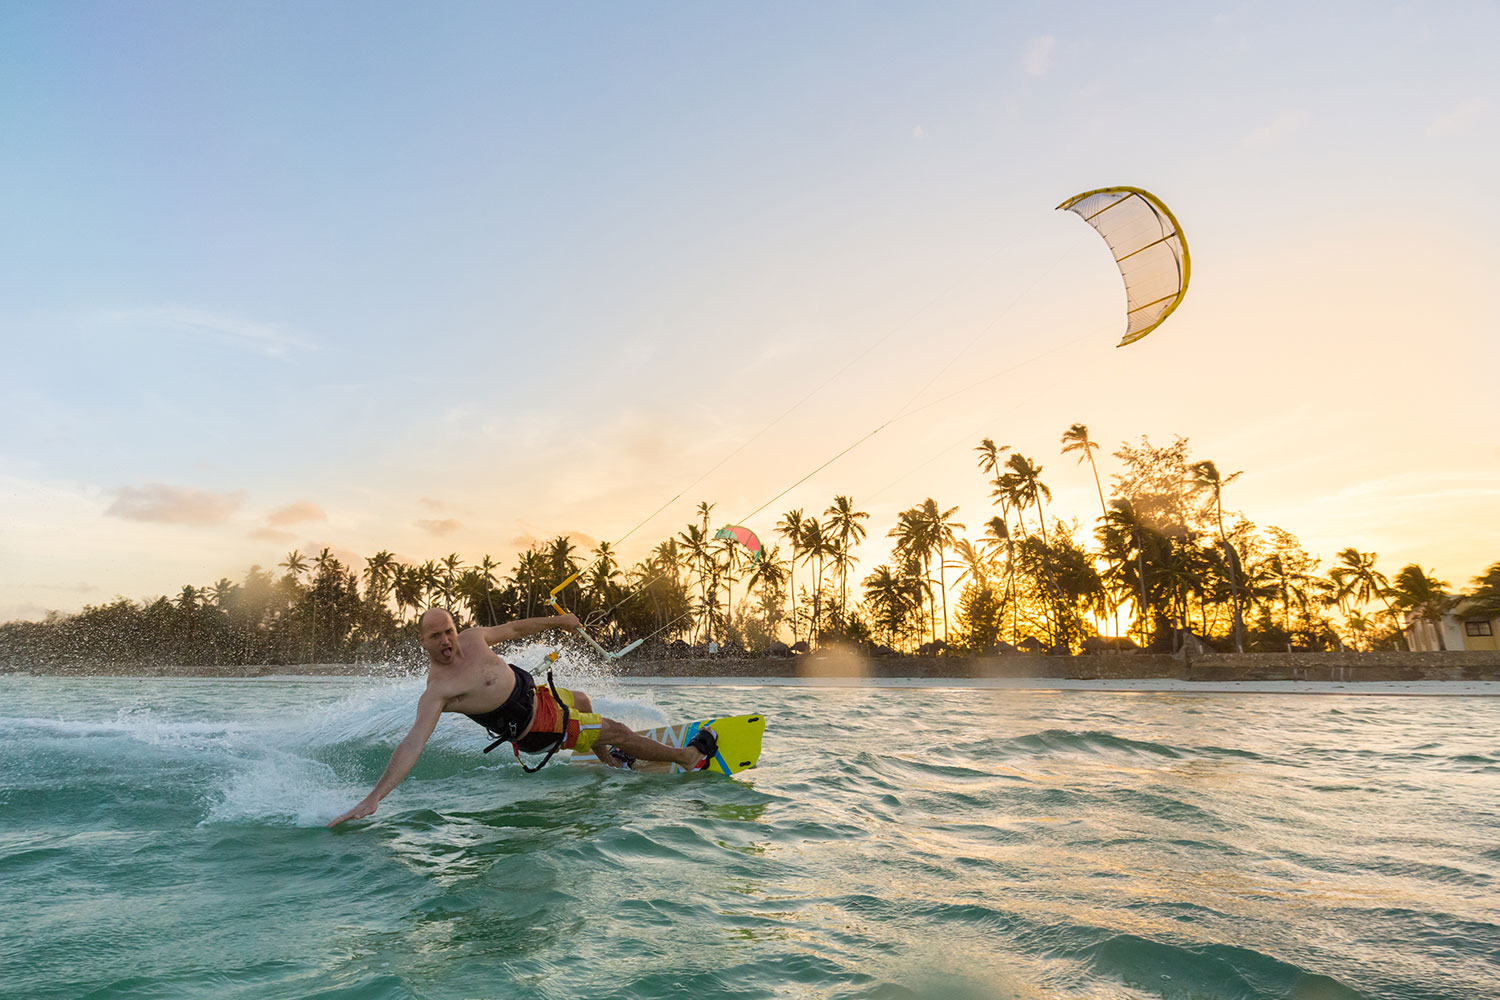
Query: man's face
[{"x": 439, "y": 637}]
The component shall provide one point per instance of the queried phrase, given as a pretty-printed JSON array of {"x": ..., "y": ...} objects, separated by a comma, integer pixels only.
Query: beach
[{"x": 1153, "y": 671}]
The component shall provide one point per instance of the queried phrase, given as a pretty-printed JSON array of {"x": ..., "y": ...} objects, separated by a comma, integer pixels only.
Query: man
[{"x": 464, "y": 675}]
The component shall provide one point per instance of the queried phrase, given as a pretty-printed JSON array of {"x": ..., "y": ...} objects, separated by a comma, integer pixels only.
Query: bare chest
[{"x": 483, "y": 688}]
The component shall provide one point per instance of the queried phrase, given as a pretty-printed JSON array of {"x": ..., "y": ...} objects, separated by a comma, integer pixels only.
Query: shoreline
[
  {"x": 1038, "y": 685},
  {"x": 1136, "y": 672},
  {"x": 1017, "y": 685}
]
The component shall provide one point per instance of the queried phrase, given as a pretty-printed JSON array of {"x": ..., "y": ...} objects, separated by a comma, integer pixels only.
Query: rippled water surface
[{"x": 164, "y": 838}]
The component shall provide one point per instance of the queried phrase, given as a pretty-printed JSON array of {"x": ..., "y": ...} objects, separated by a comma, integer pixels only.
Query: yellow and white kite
[{"x": 1148, "y": 244}]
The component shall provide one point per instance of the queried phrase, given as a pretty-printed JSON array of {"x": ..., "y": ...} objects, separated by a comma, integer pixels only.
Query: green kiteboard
[{"x": 739, "y": 745}]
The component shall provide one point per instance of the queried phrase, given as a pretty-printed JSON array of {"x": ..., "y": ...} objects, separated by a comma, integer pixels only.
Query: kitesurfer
[{"x": 465, "y": 675}]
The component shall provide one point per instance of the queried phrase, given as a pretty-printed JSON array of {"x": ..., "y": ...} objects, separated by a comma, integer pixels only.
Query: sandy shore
[
  {"x": 1483, "y": 689},
  {"x": 1117, "y": 685},
  {"x": 1388, "y": 672}
]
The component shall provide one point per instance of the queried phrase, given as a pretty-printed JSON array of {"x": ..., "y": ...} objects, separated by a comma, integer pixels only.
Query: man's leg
[
  {"x": 600, "y": 749},
  {"x": 617, "y": 734},
  {"x": 612, "y": 733}
]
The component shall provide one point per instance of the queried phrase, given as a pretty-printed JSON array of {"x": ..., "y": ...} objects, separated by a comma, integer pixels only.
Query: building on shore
[{"x": 1462, "y": 626}]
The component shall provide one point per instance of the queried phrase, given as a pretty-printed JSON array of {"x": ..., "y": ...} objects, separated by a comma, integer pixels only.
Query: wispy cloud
[
  {"x": 349, "y": 557},
  {"x": 69, "y": 588},
  {"x": 1415, "y": 487},
  {"x": 1460, "y": 119},
  {"x": 164, "y": 503},
  {"x": 262, "y": 338},
  {"x": 295, "y": 513},
  {"x": 445, "y": 526},
  {"x": 1277, "y": 130},
  {"x": 25, "y": 611},
  {"x": 527, "y": 540},
  {"x": 271, "y": 535},
  {"x": 1037, "y": 59}
]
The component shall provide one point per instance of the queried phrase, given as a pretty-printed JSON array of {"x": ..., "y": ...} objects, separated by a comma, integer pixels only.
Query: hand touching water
[{"x": 360, "y": 811}]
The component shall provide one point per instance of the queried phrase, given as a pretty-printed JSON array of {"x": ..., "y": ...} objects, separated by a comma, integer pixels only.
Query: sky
[{"x": 461, "y": 277}]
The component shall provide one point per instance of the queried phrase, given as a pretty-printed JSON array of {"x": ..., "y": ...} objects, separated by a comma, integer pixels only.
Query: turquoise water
[{"x": 163, "y": 838}]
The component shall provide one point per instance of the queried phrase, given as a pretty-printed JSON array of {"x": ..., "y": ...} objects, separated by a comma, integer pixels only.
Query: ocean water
[{"x": 165, "y": 838}]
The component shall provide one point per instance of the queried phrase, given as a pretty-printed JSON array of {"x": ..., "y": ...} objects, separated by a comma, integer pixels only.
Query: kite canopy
[
  {"x": 744, "y": 536},
  {"x": 1149, "y": 247}
]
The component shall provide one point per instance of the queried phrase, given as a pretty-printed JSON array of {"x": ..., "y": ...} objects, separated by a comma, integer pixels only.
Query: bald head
[{"x": 438, "y": 634}]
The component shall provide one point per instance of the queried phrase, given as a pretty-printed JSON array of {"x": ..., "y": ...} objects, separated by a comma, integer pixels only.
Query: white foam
[
  {"x": 282, "y": 762},
  {"x": 279, "y": 787},
  {"x": 147, "y": 730}
]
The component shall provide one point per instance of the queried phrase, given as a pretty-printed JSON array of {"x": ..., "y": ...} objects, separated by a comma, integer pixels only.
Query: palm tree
[
  {"x": 187, "y": 604},
  {"x": 187, "y": 601},
  {"x": 670, "y": 562},
  {"x": 378, "y": 571},
  {"x": 695, "y": 540},
  {"x": 1177, "y": 578},
  {"x": 1024, "y": 486},
  {"x": 473, "y": 590},
  {"x": 222, "y": 591},
  {"x": 325, "y": 563},
  {"x": 1424, "y": 596},
  {"x": 406, "y": 588},
  {"x": 1076, "y": 438},
  {"x": 1356, "y": 578},
  {"x": 295, "y": 564},
  {"x": 996, "y": 537},
  {"x": 529, "y": 576},
  {"x": 817, "y": 545},
  {"x": 844, "y": 523},
  {"x": 975, "y": 562},
  {"x": 603, "y": 574},
  {"x": 731, "y": 550},
  {"x": 989, "y": 455},
  {"x": 767, "y": 571},
  {"x": 659, "y": 577},
  {"x": 1486, "y": 596},
  {"x": 430, "y": 581},
  {"x": 940, "y": 534},
  {"x": 1359, "y": 627},
  {"x": 1124, "y": 537},
  {"x": 889, "y": 599},
  {"x": 790, "y": 527},
  {"x": 487, "y": 567},
  {"x": 913, "y": 535},
  {"x": 1291, "y": 585},
  {"x": 1005, "y": 495},
  {"x": 560, "y": 558},
  {"x": 1206, "y": 477},
  {"x": 451, "y": 563}
]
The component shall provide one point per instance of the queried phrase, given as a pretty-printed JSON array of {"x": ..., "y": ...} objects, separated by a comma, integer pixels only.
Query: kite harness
[{"x": 509, "y": 721}]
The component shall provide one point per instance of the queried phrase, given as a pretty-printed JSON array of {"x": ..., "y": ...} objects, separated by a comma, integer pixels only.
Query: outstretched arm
[
  {"x": 429, "y": 708},
  {"x": 527, "y": 627}
]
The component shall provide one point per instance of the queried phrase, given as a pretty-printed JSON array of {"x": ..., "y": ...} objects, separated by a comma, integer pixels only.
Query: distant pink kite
[{"x": 744, "y": 536}]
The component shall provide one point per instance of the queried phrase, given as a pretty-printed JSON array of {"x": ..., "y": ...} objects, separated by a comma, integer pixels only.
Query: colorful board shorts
[{"x": 546, "y": 723}]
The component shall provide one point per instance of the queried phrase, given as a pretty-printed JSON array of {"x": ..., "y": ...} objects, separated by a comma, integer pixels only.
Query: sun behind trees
[{"x": 1167, "y": 555}]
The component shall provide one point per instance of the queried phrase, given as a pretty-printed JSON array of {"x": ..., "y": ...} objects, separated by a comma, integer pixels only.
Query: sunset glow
[{"x": 470, "y": 279}]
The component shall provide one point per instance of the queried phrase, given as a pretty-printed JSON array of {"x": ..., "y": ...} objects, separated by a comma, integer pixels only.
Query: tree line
[{"x": 1163, "y": 558}]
